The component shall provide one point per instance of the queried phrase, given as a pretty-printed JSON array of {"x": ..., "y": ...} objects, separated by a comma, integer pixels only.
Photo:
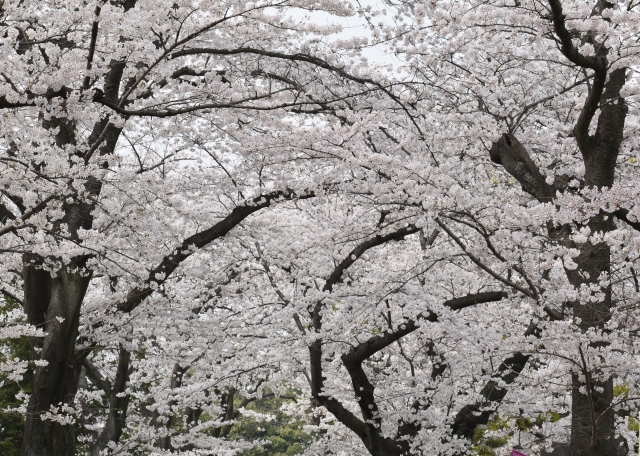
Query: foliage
[
  {"x": 483, "y": 444},
  {"x": 283, "y": 436},
  {"x": 200, "y": 198},
  {"x": 11, "y": 421}
]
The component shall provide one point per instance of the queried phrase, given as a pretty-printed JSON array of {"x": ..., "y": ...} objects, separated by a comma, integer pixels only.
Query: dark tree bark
[
  {"x": 55, "y": 383},
  {"x": 53, "y": 302},
  {"x": 599, "y": 153},
  {"x": 118, "y": 405},
  {"x": 368, "y": 428},
  {"x": 476, "y": 414},
  {"x": 48, "y": 298}
]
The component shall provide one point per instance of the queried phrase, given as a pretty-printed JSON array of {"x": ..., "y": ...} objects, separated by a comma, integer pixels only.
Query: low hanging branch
[{"x": 478, "y": 413}]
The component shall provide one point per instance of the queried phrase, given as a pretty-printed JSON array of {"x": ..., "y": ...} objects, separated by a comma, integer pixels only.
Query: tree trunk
[
  {"x": 591, "y": 433},
  {"x": 587, "y": 437},
  {"x": 600, "y": 153},
  {"x": 53, "y": 301},
  {"x": 54, "y": 384}
]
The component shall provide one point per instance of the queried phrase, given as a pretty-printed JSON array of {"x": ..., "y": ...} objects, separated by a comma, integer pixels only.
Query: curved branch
[
  {"x": 97, "y": 377},
  {"x": 373, "y": 345},
  {"x": 369, "y": 429},
  {"x": 160, "y": 273},
  {"x": 478, "y": 413},
  {"x": 362, "y": 248},
  {"x": 597, "y": 62},
  {"x": 623, "y": 214},
  {"x": 376, "y": 443},
  {"x": 299, "y": 57},
  {"x": 568, "y": 49},
  {"x": 34, "y": 210}
]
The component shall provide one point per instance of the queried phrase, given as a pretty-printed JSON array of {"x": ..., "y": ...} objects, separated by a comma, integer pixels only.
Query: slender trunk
[{"x": 118, "y": 405}]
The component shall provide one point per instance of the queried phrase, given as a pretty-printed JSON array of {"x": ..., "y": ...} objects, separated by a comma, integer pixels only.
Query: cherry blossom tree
[
  {"x": 545, "y": 90},
  {"x": 209, "y": 203},
  {"x": 518, "y": 148},
  {"x": 134, "y": 135}
]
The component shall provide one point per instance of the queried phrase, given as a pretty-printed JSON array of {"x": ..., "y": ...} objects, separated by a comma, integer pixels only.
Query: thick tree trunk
[
  {"x": 591, "y": 433},
  {"x": 53, "y": 301},
  {"x": 54, "y": 384},
  {"x": 589, "y": 438}
]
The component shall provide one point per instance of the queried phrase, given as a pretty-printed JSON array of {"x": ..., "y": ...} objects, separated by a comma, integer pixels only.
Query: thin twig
[{"x": 592, "y": 412}]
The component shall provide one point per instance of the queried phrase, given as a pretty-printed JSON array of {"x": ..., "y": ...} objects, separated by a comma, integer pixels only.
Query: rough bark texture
[
  {"x": 53, "y": 301},
  {"x": 600, "y": 153},
  {"x": 118, "y": 405},
  {"x": 55, "y": 383}
]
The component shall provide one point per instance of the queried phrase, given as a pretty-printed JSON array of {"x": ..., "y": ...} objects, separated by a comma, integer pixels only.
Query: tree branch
[
  {"x": 370, "y": 435},
  {"x": 623, "y": 214},
  {"x": 92, "y": 44},
  {"x": 480, "y": 264},
  {"x": 369, "y": 430},
  {"x": 353, "y": 359},
  {"x": 160, "y": 273},
  {"x": 362, "y": 248},
  {"x": 478, "y": 413},
  {"x": 597, "y": 62},
  {"x": 97, "y": 377},
  {"x": 34, "y": 210},
  {"x": 299, "y": 57},
  {"x": 568, "y": 49},
  {"x": 515, "y": 159},
  {"x": 118, "y": 405}
]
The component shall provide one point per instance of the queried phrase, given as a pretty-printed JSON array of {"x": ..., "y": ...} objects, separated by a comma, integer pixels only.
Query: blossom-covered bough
[
  {"x": 547, "y": 88},
  {"x": 135, "y": 134},
  {"x": 205, "y": 204}
]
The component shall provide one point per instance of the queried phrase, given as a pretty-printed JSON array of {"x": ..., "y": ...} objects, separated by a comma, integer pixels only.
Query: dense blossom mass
[{"x": 206, "y": 205}]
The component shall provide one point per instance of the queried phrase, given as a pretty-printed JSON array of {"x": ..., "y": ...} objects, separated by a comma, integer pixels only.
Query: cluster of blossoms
[{"x": 207, "y": 204}]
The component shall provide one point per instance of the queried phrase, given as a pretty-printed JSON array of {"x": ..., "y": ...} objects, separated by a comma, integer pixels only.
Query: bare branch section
[
  {"x": 34, "y": 210},
  {"x": 623, "y": 214},
  {"x": 170, "y": 262},
  {"x": 357, "y": 252},
  {"x": 511, "y": 154},
  {"x": 96, "y": 376}
]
